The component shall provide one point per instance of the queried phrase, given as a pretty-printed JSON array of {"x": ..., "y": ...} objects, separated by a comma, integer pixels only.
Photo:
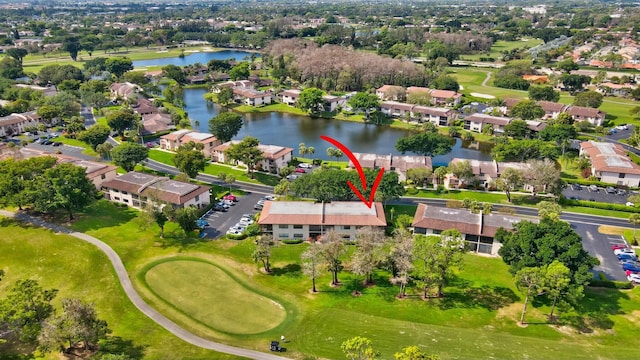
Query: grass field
[
  {"x": 501, "y": 45},
  {"x": 205, "y": 292},
  {"x": 79, "y": 270}
]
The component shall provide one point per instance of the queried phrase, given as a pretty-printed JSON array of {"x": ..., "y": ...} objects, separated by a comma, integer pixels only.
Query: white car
[
  {"x": 239, "y": 227},
  {"x": 625, "y": 251},
  {"x": 629, "y": 203},
  {"x": 634, "y": 278},
  {"x": 304, "y": 165},
  {"x": 234, "y": 232},
  {"x": 246, "y": 222},
  {"x": 229, "y": 202},
  {"x": 269, "y": 197}
]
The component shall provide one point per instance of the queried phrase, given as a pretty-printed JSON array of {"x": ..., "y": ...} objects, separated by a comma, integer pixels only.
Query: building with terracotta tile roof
[
  {"x": 174, "y": 140},
  {"x": 307, "y": 220},
  {"x": 485, "y": 171},
  {"x": 14, "y": 124},
  {"x": 391, "y": 92},
  {"x": 157, "y": 122},
  {"x": 136, "y": 189},
  {"x": 594, "y": 116},
  {"x": 440, "y": 97},
  {"x": 478, "y": 230},
  {"x": 552, "y": 109},
  {"x": 124, "y": 90},
  {"x": 275, "y": 157},
  {"x": 476, "y": 122},
  {"x": 610, "y": 163},
  {"x": 396, "y": 163}
]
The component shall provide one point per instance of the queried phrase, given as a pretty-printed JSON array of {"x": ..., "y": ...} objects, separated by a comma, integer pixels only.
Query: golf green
[{"x": 210, "y": 296}]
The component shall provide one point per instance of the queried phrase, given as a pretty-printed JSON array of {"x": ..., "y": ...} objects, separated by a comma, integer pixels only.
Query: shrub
[
  {"x": 236, "y": 237},
  {"x": 292, "y": 241},
  {"x": 412, "y": 191},
  {"x": 611, "y": 284}
]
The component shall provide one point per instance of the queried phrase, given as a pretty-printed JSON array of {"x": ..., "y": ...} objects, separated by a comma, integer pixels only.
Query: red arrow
[{"x": 363, "y": 179}]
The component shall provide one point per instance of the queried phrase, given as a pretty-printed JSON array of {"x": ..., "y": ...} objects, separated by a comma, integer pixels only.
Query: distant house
[
  {"x": 290, "y": 97},
  {"x": 251, "y": 97},
  {"x": 476, "y": 122},
  {"x": 275, "y": 157},
  {"x": 124, "y": 90},
  {"x": 331, "y": 102},
  {"x": 242, "y": 84},
  {"x": 395, "y": 108},
  {"x": 47, "y": 91},
  {"x": 178, "y": 138},
  {"x": 593, "y": 116},
  {"x": 478, "y": 230},
  {"x": 145, "y": 107},
  {"x": 390, "y": 92},
  {"x": 307, "y": 220},
  {"x": 155, "y": 123},
  {"x": 609, "y": 88},
  {"x": 396, "y": 163},
  {"x": 417, "y": 89},
  {"x": 136, "y": 189},
  {"x": 436, "y": 116},
  {"x": 441, "y": 97},
  {"x": 552, "y": 109},
  {"x": 15, "y": 124},
  {"x": 610, "y": 163},
  {"x": 536, "y": 79}
]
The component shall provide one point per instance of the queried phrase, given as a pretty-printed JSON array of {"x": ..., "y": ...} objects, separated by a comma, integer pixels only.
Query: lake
[
  {"x": 202, "y": 57},
  {"x": 290, "y": 130}
]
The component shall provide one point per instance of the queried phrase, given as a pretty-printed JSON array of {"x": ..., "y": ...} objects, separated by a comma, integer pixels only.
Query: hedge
[
  {"x": 236, "y": 237},
  {"x": 292, "y": 241},
  {"x": 611, "y": 284},
  {"x": 599, "y": 205},
  {"x": 587, "y": 182}
]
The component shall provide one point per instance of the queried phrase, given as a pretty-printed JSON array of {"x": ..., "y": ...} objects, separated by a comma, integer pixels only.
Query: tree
[
  {"x": 118, "y": 65},
  {"x": 333, "y": 152},
  {"x": 128, "y": 154},
  {"x": 95, "y": 135},
  {"x": 590, "y": 99},
  {"x": 56, "y": 74},
  {"x": 225, "y": 126},
  {"x": 153, "y": 213},
  {"x": 332, "y": 249},
  {"x": 240, "y": 71},
  {"x": 11, "y": 68},
  {"x": 461, "y": 170},
  {"x": 64, "y": 187},
  {"x": 437, "y": 255},
  {"x": 49, "y": 112},
  {"x": 364, "y": 102},
  {"x": 531, "y": 281},
  {"x": 121, "y": 120},
  {"x": 634, "y": 219},
  {"x": 310, "y": 100},
  {"x": 246, "y": 151},
  {"x": 446, "y": 82},
  {"x": 535, "y": 245},
  {"x": 25, "y": 308},
  {"x": 560, "y": 133},
  {"x": 71, "y": 44},
  {"x": 542, "y": 175},
  {"x": 174, "y": 72},
  {"x": 567, "y": 66},
  {"x": 522, "y": 150},
  {"x": 358, "y": 348},
  {"x": 366, "y": 256},
  {"x": 527, "y": 110},
  {"x": 558, "y": 281},
  {"x": 427, "y": 144},
  {"x": 549, "y": 210},
  {"x": 263, "y": 251},
  {"x": 419, "y": 176},
  {"x": 186, "y": 218},
  {"x": 544, "y": 93},
  {"x": 77, "y": 324},
  {"x": 225, "y": 96},
  {"x": 283, "y": 187},
  {"x": 414, "y": 353},
  {"x": 517, "y": 129},
  {"x": 510, "y": 179},
  {"x": 17, "y": 53},
  {"x": 189, "y": 159},
  {"x": 104, "y": 150},
  {"x": 401, "y": 256},
  {"x": 574, "y": 83},
  {"x": 615, "y": 59},
  {"x": 312, "y": 262},
  {"x": 419, "y": 98}
]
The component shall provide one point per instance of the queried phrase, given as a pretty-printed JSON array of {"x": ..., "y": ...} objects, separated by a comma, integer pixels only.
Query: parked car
[
  {"x": 634, "y": 278},
  {"x": 610, "y": 190},
  {"x": 228, "y": 202},
  {"x": 57, "y": 143},
  {"x": 629, "y": 203},
  {"x": 593, "y": 188},
  {"x": 613, "y": 131},
  {"x": 231, "y": 198},
  {"x": 239, "y": 227},
  {"x": 222, "y": 203},
  {"x": 301, "y": 170},
  {"x": 246, "y": 222},
  {"x": 234, "y": 232},
  {"x": 46, "y": 142},
  {"x": 622, "y": 257},
  {"x": 218, "y": 207},
  {"x": 621, "y": 192},
  {"x": 634, "y": 267},
  {"x": 292, "y": 177},
  {"x": 304, "y": 165},
  {"x": 269, "y": 197},
  {"x": 619, "y": 246},
  {"x": 258, "y": 207},
  {"x": 625, "y": 251},
  {"x": 622, "y": 127}
]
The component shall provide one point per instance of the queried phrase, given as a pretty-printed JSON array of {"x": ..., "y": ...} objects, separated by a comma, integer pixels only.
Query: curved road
[{"x": 135, "y": 298}]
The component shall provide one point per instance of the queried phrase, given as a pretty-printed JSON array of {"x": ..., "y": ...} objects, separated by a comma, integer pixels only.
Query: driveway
[
  {"x": 220, "y": 222},
  {"x": 599, "y": 246},
  {"x": 64, "y": 149}
]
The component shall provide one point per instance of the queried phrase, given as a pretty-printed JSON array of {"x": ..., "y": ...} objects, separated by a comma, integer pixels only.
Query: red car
[
  {"x": 230, "y": 197},
  {"x": 300, "y": 170},
  {"x": 619, "y": 246}
]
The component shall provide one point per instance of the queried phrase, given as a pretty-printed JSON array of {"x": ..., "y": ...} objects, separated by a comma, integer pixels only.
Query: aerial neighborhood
[{"x": 319, "y": 180}]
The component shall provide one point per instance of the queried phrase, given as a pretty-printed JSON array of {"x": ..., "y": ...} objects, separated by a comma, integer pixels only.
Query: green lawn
[
  {"x": 502, "y": 45},
  {"x": 73, "y": 142},
  {"x": 79, "y": 270},
  {"x": 476, "y": 319},
  {"x": 201, "y": 290}
]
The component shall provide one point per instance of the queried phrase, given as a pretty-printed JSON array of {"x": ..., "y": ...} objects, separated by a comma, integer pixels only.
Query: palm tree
[
  {"x": 302, "y": 149},
  {"x": 634, "y": 219}
]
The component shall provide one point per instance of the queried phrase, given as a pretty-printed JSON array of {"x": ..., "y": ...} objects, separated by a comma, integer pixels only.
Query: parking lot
[
  {"x": 220, "y": 222},
  {"x": 599, "y": 245},
  {"x": 582, "y": 192}
]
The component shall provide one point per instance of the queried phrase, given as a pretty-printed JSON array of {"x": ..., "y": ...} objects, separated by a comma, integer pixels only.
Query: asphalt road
[
  {"x": 138, "y": 302},
  {"x": 600, "y": 195},
  {"x": 599, "y": 245}
]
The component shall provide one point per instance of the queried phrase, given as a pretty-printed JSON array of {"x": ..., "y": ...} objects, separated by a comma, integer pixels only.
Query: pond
[
  {"x": 196, "y": 57},
  {"x": 290, "y": 130}
]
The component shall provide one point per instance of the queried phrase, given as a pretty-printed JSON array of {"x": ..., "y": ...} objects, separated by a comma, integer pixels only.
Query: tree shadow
[
  {"x": 178, "y": 238},
  {"x": 291, "y": 270},
  {"x": 487, "y": 297},
  {"x": 103, "y": 214},
  {"x": 117, "y": 345},
  {"x": 14, "y": 349},
  {"x": 594, "y": 310}
]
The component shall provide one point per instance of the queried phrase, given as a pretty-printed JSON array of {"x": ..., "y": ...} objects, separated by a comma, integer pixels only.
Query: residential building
[
  {"x": 178, "y": 138},
  {"x": 436, "y": 116},
  {"x": 397, "y": 163},
  {"x": 395, "y": 108},
  {"x": 581, "y": 113},
  {"x": 251, "y": 97},
  {"x": 124, "y": 90},
  {"x": 609, "y": 88},
  {"x": 47, "y": 91},
  {"x": 157, "y": 122},
  {"x": 331, "y": 103},
  {"x": 243, "y": 84},
  {"x": 309, "y": 221},
  {"x": 442, "y": 97},
  {"x": 610, "y": 163},
  {"x": 536, "y": 79},
  {"x": 290, "y": 97},
  {"x": 391, "y": 92},
  {"x": 551, "y": 109},
  {"x": 478, "y": 230},
  {"x": 275, "y": 157},
  {"x": 487, "y": 172},
  {"x": 145, "y": 107},
  {"x": 476, "y": 122},
  {"x": 136, "y": 189},
  {"x": 15, "y": 124}
]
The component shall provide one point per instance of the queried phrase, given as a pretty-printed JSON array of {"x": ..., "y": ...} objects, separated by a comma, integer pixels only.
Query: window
[
  {"x": 298, "y": 236},
  {"x": 283, "y": 235},
  {"x": 116, "y": 198},
  {"x": 126, "y": 200},
  {"x": 621, "y": 175},
  {"x": 346, "y": 227},
  {"x": 298, "y": 227},
  {"x": 281, "y": 226},
  {"x": 125, "y": 193},
  {"x": 197, "y": 198},
  {"x": 103, "y": 176}
]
